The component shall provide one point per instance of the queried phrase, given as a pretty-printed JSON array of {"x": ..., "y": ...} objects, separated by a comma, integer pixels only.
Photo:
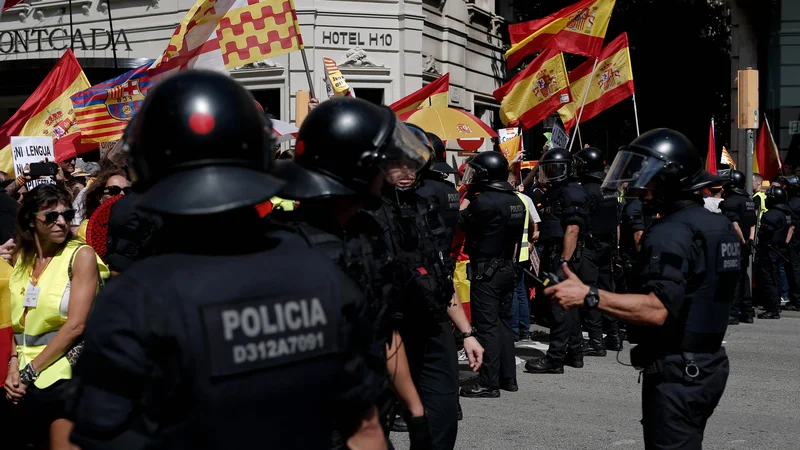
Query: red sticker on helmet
[
  {"x": 201, "y": 122},
  {"x": 299, "y": 147}
]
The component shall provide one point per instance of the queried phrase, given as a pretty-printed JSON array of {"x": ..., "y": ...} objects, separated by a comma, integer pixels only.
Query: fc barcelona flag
[{"x": 104, "y": 110}]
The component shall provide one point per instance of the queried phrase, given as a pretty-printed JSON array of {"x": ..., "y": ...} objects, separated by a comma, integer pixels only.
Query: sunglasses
[
  {"x": 50, "y": 217},
  {"x": 116, "y": 190}
]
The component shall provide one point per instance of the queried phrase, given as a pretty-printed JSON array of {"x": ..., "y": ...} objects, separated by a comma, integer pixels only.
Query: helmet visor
[
  {"x": 403, "y": 149},
  {"x": 635, "y": 169},
  {"x": 554, "y": 171},
  {"x": 469, "y": 175}
]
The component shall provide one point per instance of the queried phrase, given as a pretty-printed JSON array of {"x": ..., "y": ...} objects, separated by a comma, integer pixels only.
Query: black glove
[
  {"x": 751, "y": 245},
  {"x": 419, "y": 433}
]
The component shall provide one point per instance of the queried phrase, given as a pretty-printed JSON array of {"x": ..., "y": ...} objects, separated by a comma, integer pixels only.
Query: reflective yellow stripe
[
  {"x": 523, "y": 245},
  {"x": 34, "y": 341}
]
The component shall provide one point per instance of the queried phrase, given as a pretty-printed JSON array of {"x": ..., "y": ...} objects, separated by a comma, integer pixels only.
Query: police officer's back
[
  {"x": 434, "y": 186},
  {"x": 493, "y": 222},
  {"x": 740, "y": 208},
  {"x": 689, "y": 263},
  {"x": 792, "y": 186},
  {"x": 219, "y": 334},
  {"x": 773, "y": 250}
]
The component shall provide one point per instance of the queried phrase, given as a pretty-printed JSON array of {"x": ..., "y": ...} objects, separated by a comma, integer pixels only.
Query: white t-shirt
[{"x": 712, "y": 204}]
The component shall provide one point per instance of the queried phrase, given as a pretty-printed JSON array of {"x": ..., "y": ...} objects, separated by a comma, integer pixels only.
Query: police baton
[
  {"x": 548, "y": 280},
  {"x": 769, "y": 246}
]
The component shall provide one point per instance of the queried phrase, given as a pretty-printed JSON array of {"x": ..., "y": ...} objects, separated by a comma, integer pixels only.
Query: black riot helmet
[
  {"x": 792, "y": 183},
  {"x": 555, "y": 166},
  {"x": 737, "y": 182},
  {"x": 661, "y": 154},
  {"x": 440, "y": 156},
  {"x": 775, "y": 196},
  {"x": 589, "y": 160},
  {"x": 200, "y": 146},
  {"x": 488, "y": 169},
  {"x": 343, "y": 144}
]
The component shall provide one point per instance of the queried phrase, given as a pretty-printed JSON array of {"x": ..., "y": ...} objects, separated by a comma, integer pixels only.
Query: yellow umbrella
[{"x": 448, "y": 123}]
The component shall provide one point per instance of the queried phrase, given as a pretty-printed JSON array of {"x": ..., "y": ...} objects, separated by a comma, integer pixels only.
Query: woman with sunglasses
[
  {"x": 53, "y": 285},
  {"x": 109, "y": 183}
]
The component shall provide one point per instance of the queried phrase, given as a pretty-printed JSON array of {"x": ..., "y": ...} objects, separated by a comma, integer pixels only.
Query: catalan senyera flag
[
  {"x": 104, "y": 110},
  {"x": 612, "y": 83},
  {"x": 726, "y": 158},
  {"x": 48, "y": 111},
  {"x": 221, "y": 35},
  {"x": 767, "y": 158},
  {"x": 334, "y": 80},
  {"x": 436, "y": 93},
  {"x": 7, "y": 4},
  {"x": 579, "y": 29},
  {"x": 711, "y": 156},
  {"x": 535, "y": 92}
]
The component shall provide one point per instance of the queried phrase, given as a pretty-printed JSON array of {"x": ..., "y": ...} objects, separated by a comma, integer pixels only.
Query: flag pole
[
  {"x": 302, "y": 50},
  {"x": 111, "y": 30},
  {"x": 585, "y": 94},
  {"x": 308, "y": 72},
  {"x": 580, "y": 138},
  {"x": 636, "y": 115},
  {"x": 774, "y": 145}
]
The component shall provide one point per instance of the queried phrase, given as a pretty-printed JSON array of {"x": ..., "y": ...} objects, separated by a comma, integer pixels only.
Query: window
[
  {"x": 371, "y": 95},
  {"x": 270, "y": 100}
]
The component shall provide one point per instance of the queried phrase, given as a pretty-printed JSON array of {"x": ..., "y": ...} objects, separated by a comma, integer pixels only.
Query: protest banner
[
  {"x": 27, "y": 150},
  {"x": 106, "y": 146},
  {"x": 334, "y": 81},
  {"x": 559, "y": 138},
  {"x": 510, "y": 143}
]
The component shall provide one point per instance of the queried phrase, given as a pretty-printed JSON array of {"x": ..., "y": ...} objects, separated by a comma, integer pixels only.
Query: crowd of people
[{"x": 359, "y": 268}]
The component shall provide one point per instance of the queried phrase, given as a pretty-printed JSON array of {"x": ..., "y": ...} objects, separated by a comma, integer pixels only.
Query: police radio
[{"x": 549, "y": 279}]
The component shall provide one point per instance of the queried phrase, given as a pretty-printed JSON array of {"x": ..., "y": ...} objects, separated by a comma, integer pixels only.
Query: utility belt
[
  {"x": 593, "y": 241},
  {"x": 650, "y": 360},
  {"x": 484, "y": 270}
]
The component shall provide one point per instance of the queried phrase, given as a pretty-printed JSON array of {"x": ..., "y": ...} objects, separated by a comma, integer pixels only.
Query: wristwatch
[
  {"x": 592, "y": 298},
  {"x": 470, "y": 333}
]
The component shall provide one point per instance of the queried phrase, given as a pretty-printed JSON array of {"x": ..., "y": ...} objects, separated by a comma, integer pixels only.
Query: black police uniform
[
  {"x": 444, "y": 197},
  {"x": 174, "y": 356},
  {"x": 132, "y": 234},
  {"x": 413, "y": 230},
  {"x": 773, "y": 252},
  {"x": 690, "y": 259},
  {"x": 493, "y": 222},
  {"x": 565, "y": 204},
  {"x": 741, "y": 209},
  {"x": 793, "y": 270},
  {"x": 601, "y": 243}
]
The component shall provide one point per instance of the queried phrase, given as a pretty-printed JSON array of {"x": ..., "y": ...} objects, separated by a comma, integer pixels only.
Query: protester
[
  {"x": 712, "y": 202},
  {"x": 110, "y": 183},
  {"x": 53, "y": 286},
  {"x": 68, "y": 167}
]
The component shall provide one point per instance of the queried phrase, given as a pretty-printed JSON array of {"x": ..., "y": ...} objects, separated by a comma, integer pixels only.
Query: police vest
[
  {"x": 763, "y": 201},
  {"x": 779, "y": 236},
  {"x": 550, "y": 226},
  {"x": 523, "y": 243},
  {"x": 280, "y": 204},
  {"x": 605, "y": 212},
  {"x": 43, "y": 321}
]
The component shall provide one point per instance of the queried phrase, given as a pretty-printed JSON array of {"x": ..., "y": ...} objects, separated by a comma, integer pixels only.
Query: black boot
[
  {"x": 746, "y": 318},
  {"x": 733, "y": 320},
  {"x": 574, "y": 359},
  {"x": 478, "y": 390},
  {"x": 593, "y": 347},
  {"x": 769, "y": 315},
  {"x": 544, "y": 365},
  {"x": 460, "y": 413},
  {"x": 614, "y": 342}
]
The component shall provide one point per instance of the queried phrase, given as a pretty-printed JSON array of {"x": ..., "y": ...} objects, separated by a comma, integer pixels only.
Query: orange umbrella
[{"x": 448, "y": 123}]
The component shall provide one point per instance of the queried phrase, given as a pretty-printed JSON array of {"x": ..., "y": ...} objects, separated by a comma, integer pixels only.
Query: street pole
[
  {"x": 749, "y": 162},
  {"x": 111, "y": 29}
]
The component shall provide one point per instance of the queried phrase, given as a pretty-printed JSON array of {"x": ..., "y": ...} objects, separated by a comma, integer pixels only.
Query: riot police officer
[
  {"x": 561, "y": 234},
  {"x": 434, "y": 186},
  {"x": 214, "y": 334},
  {"x": 792, "y": 184},
  {"x": 740, "y": 208},
  {"x": 333, "y": 187},
  {"x": 493, "y": 220},
  {"x": 601, "y": 243},
  {"x": 415, "y": 232},
  {"x": 689, "y": 263},
  {"x": 773, "y": 250}
]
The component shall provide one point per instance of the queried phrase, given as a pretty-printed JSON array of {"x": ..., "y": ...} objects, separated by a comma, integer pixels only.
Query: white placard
[
  {"x": 27, "y": 150},
  {"x": 559, "y": 138},
  {"x": 794, "y": 127},
  {"x": 505, "y": 134}
]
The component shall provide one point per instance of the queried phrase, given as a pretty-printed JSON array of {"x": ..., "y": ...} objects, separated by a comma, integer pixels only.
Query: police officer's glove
[
  {"x": 419, "y": 433},
  {"x": 751, "y": 245}
]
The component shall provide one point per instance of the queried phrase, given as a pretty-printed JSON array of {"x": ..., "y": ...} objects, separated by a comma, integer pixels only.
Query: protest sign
[
  {"x": 105, "y": 147},
  {"x": 27, "y": 150},
  {"x": 559, "y": 139},
  {"x": 510, "y": 143}
]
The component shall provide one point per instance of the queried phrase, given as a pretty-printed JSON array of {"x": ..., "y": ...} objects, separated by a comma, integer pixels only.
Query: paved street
[{"x": 598, "y": 407}]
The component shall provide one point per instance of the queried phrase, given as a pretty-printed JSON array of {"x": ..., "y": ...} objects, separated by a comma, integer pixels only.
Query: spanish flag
[
  {"x": 436, "y": 93},
  {"x": 711, "y": 156},
  {"x": 48, "y": 111},
  {"x": 535, "y": 92},
  {"x": 579, "y": 29},
  {"x": 767, "y": 158},
  {"x": 6, "y": 332},
  {"x": 612, "y": 83}
]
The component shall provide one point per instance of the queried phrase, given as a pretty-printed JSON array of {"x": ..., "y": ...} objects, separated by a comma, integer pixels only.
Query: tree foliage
[{"x": 680, "y": 52}]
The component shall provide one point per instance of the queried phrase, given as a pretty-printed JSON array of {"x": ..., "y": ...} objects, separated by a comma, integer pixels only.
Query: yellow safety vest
[
  {"x": 523, "y": 244},
  {"x": 763, "y": 198},
  {"x": 282, "y": 204},
  {"x": 44, "y": 320}
]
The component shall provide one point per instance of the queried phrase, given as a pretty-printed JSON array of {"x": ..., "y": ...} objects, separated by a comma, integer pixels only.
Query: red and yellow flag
[
  {"x": 6, "y": 332},
  {"x": 612, "y": 83},
  {"x": 48, "y": 111},
  {"x": 223, "y": 35},
  {"x": 579, "y": 29},
  {"x": 767, "y": 158},
  {"x": 436, "y": 93},
  {"x": 535, "y": 92}
]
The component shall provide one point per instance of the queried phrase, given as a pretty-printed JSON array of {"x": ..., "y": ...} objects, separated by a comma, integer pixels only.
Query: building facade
[
  {"x": 765, "y": 35},
  {"x": 386, "y": 49}
]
